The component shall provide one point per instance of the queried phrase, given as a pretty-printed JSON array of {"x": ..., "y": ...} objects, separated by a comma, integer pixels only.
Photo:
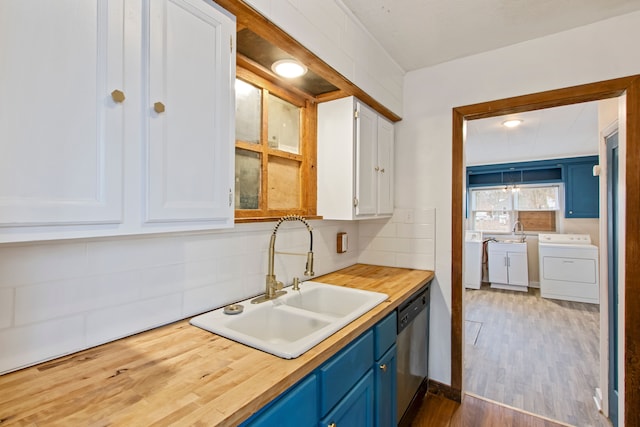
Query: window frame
[
  {"x": 514, "y": 213},
  {"x": 306, "y": 157}
]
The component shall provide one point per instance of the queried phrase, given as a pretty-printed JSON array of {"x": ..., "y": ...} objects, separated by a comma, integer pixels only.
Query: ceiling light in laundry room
[{"x": 512, "y": 123}]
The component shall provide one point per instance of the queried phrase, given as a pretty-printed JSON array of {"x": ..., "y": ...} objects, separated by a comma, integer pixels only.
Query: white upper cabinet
[
  {"x": 60, "y": 129},
  {"x": 355, "y": 161},
  {"x": 189, "y": 108},
  {"x": 116, "y": 117}
]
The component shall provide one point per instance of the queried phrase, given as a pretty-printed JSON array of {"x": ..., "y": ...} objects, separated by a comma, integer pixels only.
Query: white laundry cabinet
[{"x": 508, "y": 266}]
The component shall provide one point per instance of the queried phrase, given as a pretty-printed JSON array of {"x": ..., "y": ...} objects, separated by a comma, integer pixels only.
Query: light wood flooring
[
  {"x": 535, "y": 354},
  {"x": 437, "y": 411}
]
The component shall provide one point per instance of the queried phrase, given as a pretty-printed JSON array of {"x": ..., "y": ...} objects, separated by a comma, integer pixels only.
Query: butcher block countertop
[{"x": 180, "y": 374}]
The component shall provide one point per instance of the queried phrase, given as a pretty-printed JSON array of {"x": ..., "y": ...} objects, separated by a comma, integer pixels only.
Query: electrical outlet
[
  {"x": 342, "y": 243},
  {"x": 408, "y": 216}
]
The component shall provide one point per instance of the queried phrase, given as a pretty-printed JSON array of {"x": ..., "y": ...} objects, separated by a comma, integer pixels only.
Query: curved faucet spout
[
  {"x": 521, "y": 228},
  {"x": 272, "y": 285}
]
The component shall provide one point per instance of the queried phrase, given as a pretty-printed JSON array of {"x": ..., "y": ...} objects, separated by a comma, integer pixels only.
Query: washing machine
[
  {"x": 568, "y": 267},
  {"x": 472, "y": 273}
]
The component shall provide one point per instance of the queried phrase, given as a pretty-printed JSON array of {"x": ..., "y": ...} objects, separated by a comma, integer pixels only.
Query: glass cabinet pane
[
  {"x": 248, "y": 112},
  {"x": 248, "y": 171},
  {"x": 284, "y": 125}
]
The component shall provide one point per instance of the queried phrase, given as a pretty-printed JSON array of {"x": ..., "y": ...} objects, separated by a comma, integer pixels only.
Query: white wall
[
  {"x": 406, "y": 240},
  {"x": 58, "y": 297},
  {"x": 587, "y": 54},
  {"x": 329, "y": 29}
]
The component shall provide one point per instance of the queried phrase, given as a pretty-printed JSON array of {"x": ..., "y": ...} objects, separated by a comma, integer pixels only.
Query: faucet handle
[{"x": 296, "y": 284}]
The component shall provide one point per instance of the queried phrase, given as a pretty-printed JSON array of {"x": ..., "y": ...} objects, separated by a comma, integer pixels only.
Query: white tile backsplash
[
  {"x": 25, "y": 264},
  {"x": 61, "y": 297},
  {"x": 405, "y": 240},
  {"x": 24, "y": 346},
  {"x": 128, "y": 254},
  {"x": 116, "y": 322},
  {"x": 82, "y": 293},
  {"x": 6, "y": 307}
]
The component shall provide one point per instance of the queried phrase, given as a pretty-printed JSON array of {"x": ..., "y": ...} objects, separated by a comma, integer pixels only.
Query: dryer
[{"x": 568, "y": 267}]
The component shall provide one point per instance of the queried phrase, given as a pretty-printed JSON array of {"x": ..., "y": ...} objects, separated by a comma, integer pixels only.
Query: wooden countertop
[{"x": 181, "y": 374}]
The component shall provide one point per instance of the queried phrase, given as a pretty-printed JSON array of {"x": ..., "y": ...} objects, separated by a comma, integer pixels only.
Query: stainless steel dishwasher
[{"x": 413, "y": 354}]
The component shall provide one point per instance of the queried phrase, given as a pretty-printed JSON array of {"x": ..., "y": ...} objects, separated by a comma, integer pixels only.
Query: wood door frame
[{"x": 554, "y": 98}]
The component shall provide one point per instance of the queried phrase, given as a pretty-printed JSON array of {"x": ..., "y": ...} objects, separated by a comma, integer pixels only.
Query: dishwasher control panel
[{"x": 412, "y": 307}]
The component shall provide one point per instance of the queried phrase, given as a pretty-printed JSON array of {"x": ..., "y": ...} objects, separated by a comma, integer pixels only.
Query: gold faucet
[{"x": 273, "y": 288}]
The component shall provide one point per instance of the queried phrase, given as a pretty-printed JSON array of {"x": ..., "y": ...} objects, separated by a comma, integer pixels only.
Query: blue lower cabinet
[
  {"x": 355, "y": 388},
  {"x": 297, "y": 407},
  {"x": 356, "y": 408},
  {"x": 385, "y": 389},
  {"x": 339, "y": 374}
]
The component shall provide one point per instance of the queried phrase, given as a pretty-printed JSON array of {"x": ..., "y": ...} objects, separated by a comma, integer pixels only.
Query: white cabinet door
[
  {"x": 61, "y": 131},
  {"x": 518, "y": 270},
  {"x": 497, "y": 265},
  {"x": 189, "y": 109},
  {"x": 385, "y": 167},
  {"x": 355, "y": 161},
  {"x": 366, "y": 158}
]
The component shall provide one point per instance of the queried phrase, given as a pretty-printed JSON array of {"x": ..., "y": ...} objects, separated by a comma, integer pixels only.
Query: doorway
[
  {"x": 511, "y": 346},
  {"x": 629, "y": 289}
]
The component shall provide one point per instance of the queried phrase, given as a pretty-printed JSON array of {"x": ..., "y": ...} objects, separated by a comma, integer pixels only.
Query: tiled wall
[
  {"x": 63, "y": 296},
  {"x": 406, "y": 240}
]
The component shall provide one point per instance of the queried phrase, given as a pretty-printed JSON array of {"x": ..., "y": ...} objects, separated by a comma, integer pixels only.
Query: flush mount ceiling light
[
  {"x": 512, "y": 123},
  {"x": 289, "y": 68}
]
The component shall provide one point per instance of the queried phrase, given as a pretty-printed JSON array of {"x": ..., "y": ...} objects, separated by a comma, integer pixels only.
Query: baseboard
[
  {"x": 597, "y": 398},
  {"x": 444, "y": 390}
]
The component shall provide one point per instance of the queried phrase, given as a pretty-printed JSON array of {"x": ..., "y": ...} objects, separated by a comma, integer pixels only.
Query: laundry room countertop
[{"x": 182, "y": 374}]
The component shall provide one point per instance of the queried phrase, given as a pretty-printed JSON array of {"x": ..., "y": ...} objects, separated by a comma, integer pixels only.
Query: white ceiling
[
  {"x": 421, "y": 33},
  {"x": 552, "y": 133}
]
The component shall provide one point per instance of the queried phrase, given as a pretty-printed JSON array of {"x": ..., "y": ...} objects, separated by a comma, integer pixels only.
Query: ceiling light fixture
[
  {"x": 512, "y": 123},
  {"x": 289, "y": 68}
]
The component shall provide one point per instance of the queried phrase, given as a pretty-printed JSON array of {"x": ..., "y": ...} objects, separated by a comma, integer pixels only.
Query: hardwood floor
[
  {"x": 437, "y": 411},
  {"x": 534, "y": 354}
]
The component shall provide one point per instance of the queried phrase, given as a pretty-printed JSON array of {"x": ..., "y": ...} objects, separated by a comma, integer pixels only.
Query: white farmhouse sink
[{"x": 293, "y": 323}]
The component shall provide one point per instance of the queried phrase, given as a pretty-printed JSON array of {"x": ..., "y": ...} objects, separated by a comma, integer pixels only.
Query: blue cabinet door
[
  {"x": 298, "y": 407},
  {"x": 385, "y": 388},
  {"x": 582, "y": 191},
  {"x": 338, "y": 375},
  {"x": 356, "y": 408}
]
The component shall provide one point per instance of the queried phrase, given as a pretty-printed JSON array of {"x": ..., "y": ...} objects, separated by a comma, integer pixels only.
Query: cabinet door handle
[
  {"x": 117, "y": 96},
  {"x": 158, "y": 107},
  {"x": 382, "y": 170},
  {"x": 376, "y": 168},
  {"x": 383, "y": 367}
]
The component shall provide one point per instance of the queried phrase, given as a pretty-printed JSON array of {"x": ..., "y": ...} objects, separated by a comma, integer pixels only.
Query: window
[
  {"x": 275, "y": 150},
  {"x": 498, "y": 208}
]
